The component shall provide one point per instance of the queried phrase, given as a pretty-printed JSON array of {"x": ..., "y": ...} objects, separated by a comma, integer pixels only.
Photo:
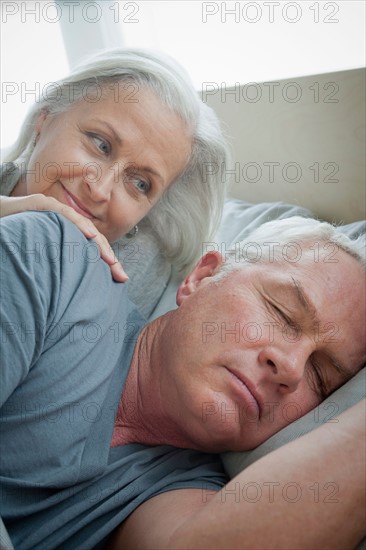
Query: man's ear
[{"x": 206, "y": 267}]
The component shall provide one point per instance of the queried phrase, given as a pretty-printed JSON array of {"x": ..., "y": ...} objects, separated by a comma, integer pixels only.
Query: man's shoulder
[
  {"x": 43, "y": 224},
  {"x": 45, "y": 239},
  {"x": 52, "y": 252}
]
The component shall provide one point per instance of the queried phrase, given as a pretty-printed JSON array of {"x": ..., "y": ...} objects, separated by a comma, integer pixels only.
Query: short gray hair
[
  {"x": 285, "y": 240},
  {"x": 190, "y": 209}
]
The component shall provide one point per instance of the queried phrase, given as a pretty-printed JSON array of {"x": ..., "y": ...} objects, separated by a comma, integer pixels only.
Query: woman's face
[{"x": 110, "y": 160}]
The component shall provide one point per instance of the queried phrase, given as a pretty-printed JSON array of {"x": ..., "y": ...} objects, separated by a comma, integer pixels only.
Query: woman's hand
[{"x": 14, "y": 205}]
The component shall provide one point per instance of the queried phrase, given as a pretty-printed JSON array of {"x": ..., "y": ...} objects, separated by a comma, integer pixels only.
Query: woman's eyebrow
[{"x": 111, "y": 128}]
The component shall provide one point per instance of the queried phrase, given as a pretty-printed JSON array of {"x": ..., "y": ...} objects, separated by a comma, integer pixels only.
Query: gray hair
[
  {"x": 190, "y": 209},
  {"x": 286, "y": 240}
]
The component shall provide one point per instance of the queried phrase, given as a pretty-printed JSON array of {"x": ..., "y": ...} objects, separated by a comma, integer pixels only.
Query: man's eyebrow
[{"x": 304, "y": 300}]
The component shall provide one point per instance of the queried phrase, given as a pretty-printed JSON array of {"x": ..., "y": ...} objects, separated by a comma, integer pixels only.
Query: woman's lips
[{"x": 76, "y": 204}]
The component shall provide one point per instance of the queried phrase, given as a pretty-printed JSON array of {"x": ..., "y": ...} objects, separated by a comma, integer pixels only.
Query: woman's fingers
[
  {"x": 107, "y": 254},
  {"x": 15, "y": 205},
  {"x": 41, "y": 202}
]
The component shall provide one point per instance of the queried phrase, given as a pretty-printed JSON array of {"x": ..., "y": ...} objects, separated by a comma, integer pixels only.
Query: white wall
[{"x": 218, "y": 42}]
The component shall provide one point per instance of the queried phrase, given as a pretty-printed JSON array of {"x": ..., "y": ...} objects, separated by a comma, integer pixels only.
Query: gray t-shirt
[
  {"x": 145, "y": 264},
  {"x": 67, "y": 336}
]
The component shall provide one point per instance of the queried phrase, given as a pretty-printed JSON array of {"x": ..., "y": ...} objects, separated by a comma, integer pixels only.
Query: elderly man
[{"x": 106, "y": 420}]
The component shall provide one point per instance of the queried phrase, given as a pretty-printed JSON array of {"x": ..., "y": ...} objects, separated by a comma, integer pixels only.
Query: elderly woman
[{"x": 124, "y": 140}]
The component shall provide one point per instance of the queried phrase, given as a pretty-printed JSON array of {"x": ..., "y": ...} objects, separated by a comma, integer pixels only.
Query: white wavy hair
[
  {"x": 190, "y": 209},
  {"x": 286, "y": 240}
]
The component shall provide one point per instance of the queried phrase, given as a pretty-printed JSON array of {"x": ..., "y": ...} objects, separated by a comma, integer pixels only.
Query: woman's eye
[
  {"x": 102, "y": 144},
  {"x": 141, "y": 185}
]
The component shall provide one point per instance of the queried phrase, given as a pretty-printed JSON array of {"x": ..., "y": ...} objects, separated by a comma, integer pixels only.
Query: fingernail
[
  {"x": 124, "y": 274},
  {"x": 91, "y": 231}
]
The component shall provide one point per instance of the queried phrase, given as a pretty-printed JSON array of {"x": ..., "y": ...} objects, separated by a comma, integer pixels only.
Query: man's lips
[
  {"x": 76, "y": 204},
  {"x": 248, "y": 391}
]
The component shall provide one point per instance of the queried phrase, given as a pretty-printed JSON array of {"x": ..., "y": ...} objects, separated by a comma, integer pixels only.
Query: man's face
[{"x": 247, "y": 355}]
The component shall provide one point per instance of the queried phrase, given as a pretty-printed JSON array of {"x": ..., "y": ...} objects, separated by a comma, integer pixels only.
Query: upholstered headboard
[{"x": 301, "y": 141}]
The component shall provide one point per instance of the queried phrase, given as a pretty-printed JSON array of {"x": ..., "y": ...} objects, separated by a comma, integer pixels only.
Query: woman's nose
[{"x": 99, "y": 182}]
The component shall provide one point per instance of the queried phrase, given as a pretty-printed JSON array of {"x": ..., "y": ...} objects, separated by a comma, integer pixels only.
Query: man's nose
[
  {"x": 99, "y": 182},
  {"x": 286, "y": 366}
]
